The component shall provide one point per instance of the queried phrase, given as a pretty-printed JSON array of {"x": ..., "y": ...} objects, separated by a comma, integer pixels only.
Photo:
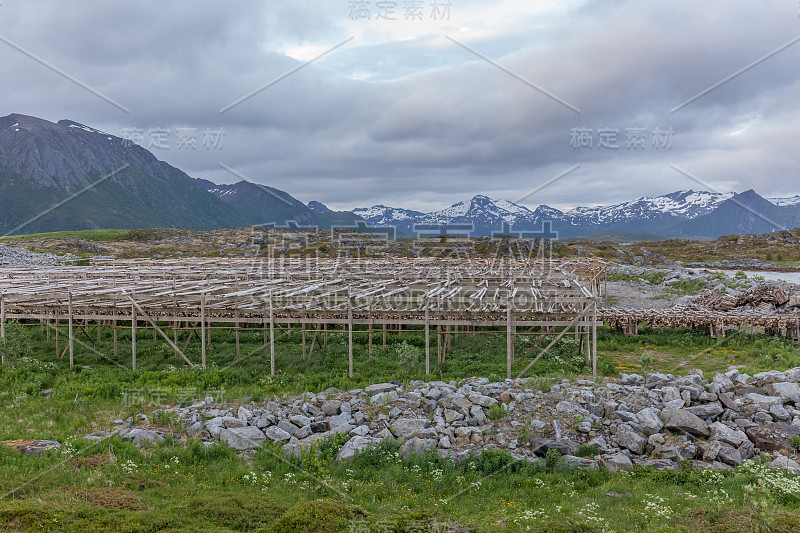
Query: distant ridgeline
[{"x": 67, "y": 176}]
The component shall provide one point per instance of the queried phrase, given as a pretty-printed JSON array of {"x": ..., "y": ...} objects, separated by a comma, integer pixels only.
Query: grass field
[
  {"x": 186, "y": 486},
  {"x": 98, "y": 235}
]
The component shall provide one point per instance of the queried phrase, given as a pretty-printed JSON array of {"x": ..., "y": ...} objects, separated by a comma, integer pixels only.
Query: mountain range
[
  {"x": 678, "y": 214},
  {"x": 68, "y": 176}
]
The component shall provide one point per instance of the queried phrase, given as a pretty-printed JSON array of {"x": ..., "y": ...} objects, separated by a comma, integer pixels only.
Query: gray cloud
[{"x": 416, "y": 121}]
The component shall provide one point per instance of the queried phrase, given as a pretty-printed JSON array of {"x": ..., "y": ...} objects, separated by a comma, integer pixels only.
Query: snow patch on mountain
[
  {"x": 783, "y": 202},
  {"x": 685, "y": 204},
  {"x": 384, "y": 215}
]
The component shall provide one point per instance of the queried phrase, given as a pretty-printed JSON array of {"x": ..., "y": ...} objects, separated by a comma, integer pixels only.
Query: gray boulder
[
  {"x": 356, "y": 445},
  {"x": 288, "y": 427},
  {"x": 339, "y": 420},
  {"x": 406, "y": 427},
  {"x": 763, "y": 378},
  {"x": 244, "y": 438},
  {"x": 683, "y": 420},
  {"x": 627, "y": 438},
  {"x": 723, "y": 382},
  {"x": 416, "y": 446},
  {"x": 378, "y": 388},
  {"x": 142, "y": 436},
  {"x": 383, "y": 398},
  {"x": 276, "y": 434},
  {"x": 582, "y": 463},
  {"x": 729, "y": 455},
  {"x": 649, "y": 420},
  {"x": 708, "y": 410},
  {"x": 331, "y": 407},
  {"x": 786, "y": 464},
  {"x": 300, "y": 420},
  {"x": 765, "y": 401},
  {"x": 726, "y": 435},
  {"x": 483, "y": 401},
  {"x": 786, "y": 391},
  {"x": 615, "y": 462}
]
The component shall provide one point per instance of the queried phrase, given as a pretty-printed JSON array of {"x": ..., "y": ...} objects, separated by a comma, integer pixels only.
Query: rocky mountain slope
[
  {"x": 743, "y": 213},
  {"x": 264, "y": 205},
  {"x": 69, "y": 176}
]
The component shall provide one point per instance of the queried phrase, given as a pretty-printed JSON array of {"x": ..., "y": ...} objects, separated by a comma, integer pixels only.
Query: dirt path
[{"x": 637, "y": 295}]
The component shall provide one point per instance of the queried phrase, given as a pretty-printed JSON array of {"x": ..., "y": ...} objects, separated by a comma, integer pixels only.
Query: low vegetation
[{"x": 182, "y": 485}]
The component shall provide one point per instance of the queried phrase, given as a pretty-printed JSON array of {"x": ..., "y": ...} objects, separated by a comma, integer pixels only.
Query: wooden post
[
  {"x": 303, "y": 338},
  {"x": 175, "y": 324},
  {"x": 3, "y": 327},
  {"x": 384, "y": 334},
  {"x": 369, "y": 333},
  {"x": 71, "y": 337},
  {"x": 588, "y": 347},
  {"x": 509, "y": 341},
  {"x": 448, "y": 339},
  {"x": 159, "y": 330},
  {"x": 349, "y": 334},
  {"x": 594, "y": 341},
  {"x": 133, "y": 334},
  {"x": 271, "y": 337},
  {"x": 203, "y": 330},
  {"x": 438, "y": 345},
  {"x": 58, "y": 341},
  {"x": 266, "y": 330},
  {"x": 114, "y": 327},
  {"x": 237, "y": 330},
  {"x": 427, "y": 338}
]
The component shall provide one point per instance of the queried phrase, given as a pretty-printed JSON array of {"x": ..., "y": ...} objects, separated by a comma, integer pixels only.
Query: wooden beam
[
  {"x": 566, "y": 328},
  {"x": 271, "y": 337},
  {"x": 594, "y": 341},
  {"x": 427, "y": 338},
  {"x": 509, "y": 341},
  {"x": 3, "y": 328},
  {"x": 237, "y": 332},
  {"x": 349, "y": 335},
  {"x": 71, "y": 336},
  {"x": 159, "y": 330},
  {"x": 203, "y": 331},
  {"x": 133, "y": 334}
]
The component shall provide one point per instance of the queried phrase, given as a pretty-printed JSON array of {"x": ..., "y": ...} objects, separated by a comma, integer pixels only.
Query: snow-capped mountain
[
  {"x": 683, "y": 204},
  {"x": 380, "y": 215},
  {"x": 654, "y": 214},
  {"x": 783, "y": 202}
]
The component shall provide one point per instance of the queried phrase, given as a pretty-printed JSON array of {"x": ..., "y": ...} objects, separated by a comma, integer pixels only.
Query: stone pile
[
  {"x": 10, "y": 256},
  {"x": 657, "y": 420}
]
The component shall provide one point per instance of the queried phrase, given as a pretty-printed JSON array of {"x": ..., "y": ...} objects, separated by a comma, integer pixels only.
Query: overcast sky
[{"x": 441, "y": 103}]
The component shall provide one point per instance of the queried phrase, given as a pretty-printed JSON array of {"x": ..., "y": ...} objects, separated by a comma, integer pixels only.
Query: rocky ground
[
  {"x": 654, "y": 420},
  {"x": 10, "y": 256},
  {"x": 643, "y": 289}
]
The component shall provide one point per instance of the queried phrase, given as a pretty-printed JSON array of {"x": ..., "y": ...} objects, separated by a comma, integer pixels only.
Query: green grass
[
  {"x": 97, "y": 235},
  {"x": 115, "y": 486},
  {"x": 676, "y": 351},
  {"x": 653, "y": 277},
  {"x": 185, "y": 486}
]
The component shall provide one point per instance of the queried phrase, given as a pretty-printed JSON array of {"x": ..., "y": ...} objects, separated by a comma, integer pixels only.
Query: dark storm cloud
[{"x": 408, "y": 118}]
